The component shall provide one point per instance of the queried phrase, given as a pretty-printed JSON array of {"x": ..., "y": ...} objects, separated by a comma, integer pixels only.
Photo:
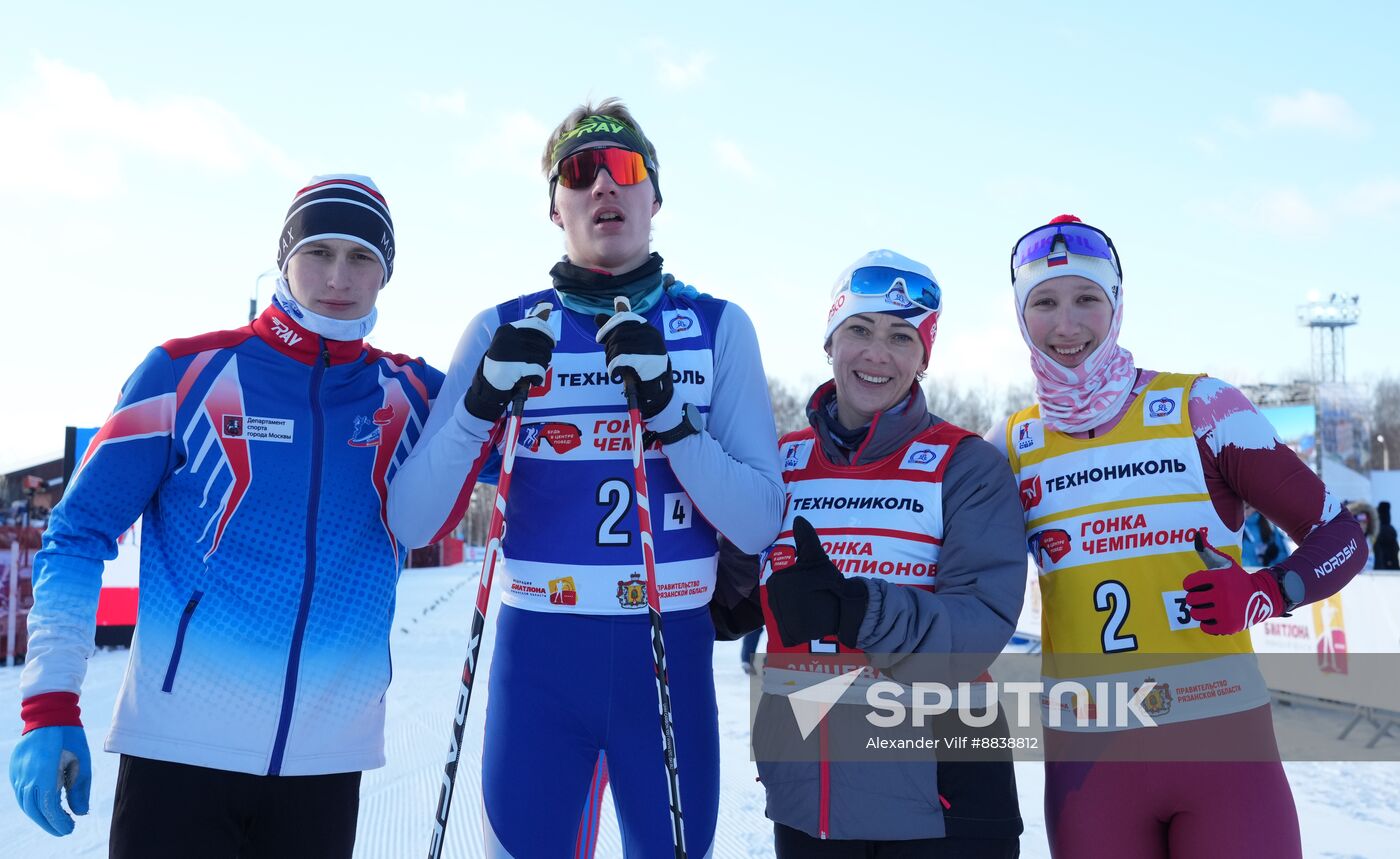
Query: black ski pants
[
  {"x": 792, "y": 843},
  {"x": 165, "y": 809}
]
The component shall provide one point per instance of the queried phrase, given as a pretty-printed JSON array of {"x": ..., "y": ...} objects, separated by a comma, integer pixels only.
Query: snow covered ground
[{"x": 1347, "y": 810}]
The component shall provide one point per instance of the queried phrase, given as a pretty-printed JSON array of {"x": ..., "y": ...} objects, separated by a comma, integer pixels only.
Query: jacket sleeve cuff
[
  {"x": 50, "y": 710},
  {"x": 668, "y": 418},
  {"x": 875, "y": 604}
]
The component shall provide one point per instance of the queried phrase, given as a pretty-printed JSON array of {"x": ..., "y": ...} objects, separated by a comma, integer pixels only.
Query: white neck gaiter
[{"x": 331, "y": 329}]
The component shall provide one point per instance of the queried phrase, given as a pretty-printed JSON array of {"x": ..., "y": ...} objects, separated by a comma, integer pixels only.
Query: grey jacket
[{"x": 980, "y": 585}]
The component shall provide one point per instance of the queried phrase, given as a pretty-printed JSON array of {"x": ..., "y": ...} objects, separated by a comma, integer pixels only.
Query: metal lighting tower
[
  {"x": 257, "y": 286},
  {"x": 1329, "y": 320}
]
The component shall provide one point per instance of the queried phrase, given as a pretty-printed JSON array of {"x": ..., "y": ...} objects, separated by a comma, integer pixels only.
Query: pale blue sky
[{"x": 1239, "y": 159}]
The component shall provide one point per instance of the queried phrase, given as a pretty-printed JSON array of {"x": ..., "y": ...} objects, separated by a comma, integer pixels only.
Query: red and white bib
[{"x": 879, "y": 520}]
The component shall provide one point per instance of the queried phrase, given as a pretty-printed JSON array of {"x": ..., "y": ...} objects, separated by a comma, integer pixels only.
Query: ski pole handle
[
  {"x": 522, "y": 388},
  {"x": 621, "y": 304}
]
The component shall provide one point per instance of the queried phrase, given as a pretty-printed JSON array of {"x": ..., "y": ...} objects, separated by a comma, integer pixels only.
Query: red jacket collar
[{"x": 282, "y": 332}]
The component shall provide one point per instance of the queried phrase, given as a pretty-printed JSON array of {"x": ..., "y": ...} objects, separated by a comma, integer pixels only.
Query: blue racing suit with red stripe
[{"x": 259, "y": 459}]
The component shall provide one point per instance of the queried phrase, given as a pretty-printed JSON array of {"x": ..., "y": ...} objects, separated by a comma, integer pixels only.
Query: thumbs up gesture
[
  {"x": 811, "y": 599},
  {"x": 1225, "y": 598}
]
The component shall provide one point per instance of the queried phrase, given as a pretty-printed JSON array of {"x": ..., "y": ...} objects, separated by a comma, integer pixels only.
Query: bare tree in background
[
  {"x": 969, "y": 408},
  {"x": 972, "y": 407},
  {"x": 975, "y": 408},
  {"x": 789, "y": 406},
  {"x": 1386, "y": 419},
  {"x": 477, "y": 520}
]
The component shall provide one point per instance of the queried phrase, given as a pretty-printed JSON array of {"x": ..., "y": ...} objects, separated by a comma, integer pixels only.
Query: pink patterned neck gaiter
[{"x": 1075, "y": 399}]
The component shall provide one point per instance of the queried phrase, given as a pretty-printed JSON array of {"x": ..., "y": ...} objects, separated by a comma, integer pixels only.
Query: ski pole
[
  {"x": 658, "y": 645},
  {"x": 483, "y": 598}
]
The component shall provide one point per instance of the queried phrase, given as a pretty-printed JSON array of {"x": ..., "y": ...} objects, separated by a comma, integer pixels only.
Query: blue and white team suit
[
  {"x": 572, "y": 674},
  {"x": 259, "y": 459}
]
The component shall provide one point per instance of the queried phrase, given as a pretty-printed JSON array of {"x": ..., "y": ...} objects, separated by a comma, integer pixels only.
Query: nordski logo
[{"x": 1161, "y": 407}]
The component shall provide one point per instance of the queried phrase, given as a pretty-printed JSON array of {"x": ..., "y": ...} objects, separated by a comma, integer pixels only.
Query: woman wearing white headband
[{"x": 1133, "y": 484}]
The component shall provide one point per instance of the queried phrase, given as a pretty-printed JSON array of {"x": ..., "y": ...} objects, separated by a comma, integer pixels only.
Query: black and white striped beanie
[{"x": 339, "y": 206}]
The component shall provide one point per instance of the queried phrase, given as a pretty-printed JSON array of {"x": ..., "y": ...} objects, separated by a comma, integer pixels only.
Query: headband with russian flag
[{"x": 1061, "y": 263}]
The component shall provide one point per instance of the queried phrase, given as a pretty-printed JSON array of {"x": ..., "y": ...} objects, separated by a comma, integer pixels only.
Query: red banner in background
[{"x": 453, "y": 551}]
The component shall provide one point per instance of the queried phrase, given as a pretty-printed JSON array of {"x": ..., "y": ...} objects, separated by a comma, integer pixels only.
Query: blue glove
[{"x": 45, "y": 761}]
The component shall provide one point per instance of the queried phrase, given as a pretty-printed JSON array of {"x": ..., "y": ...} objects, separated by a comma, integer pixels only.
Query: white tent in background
[
  {"x": 1345, "y": 484},
  {"x": 1385, "y": 486}
]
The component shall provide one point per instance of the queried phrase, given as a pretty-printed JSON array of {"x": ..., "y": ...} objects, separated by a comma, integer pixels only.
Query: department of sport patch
[
  {"x": 924, "y": 457},
  {"x": 796, "y": 454},
  {"x": 1162, "y": 408},
  {"x": 249, "y": 428},
  {"x": 1028, "y": 435},
  {"x": 679, "y": 324}
]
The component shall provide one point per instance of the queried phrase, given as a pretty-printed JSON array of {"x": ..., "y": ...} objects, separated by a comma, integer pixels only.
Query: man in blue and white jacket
[
  {"x": 260, "y": 460},
  {"x": 573, "y": 685}
]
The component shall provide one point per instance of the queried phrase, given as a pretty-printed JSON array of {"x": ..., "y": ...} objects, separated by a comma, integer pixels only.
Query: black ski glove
[
  {"x": 812, "y": 599},
  {"x": 519, "y": 352},
  {"x": 637, "y": 348}
]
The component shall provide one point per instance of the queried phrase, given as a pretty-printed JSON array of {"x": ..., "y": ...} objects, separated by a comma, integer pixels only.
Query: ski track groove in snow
[{"x": 1347, "y": 811}]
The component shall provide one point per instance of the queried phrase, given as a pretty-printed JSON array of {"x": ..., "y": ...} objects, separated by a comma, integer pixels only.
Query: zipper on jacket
[
  {"x": 313, "y": 504},
  {"x": 180, "y": 640},
  {"x": 824, "y": 787}
]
